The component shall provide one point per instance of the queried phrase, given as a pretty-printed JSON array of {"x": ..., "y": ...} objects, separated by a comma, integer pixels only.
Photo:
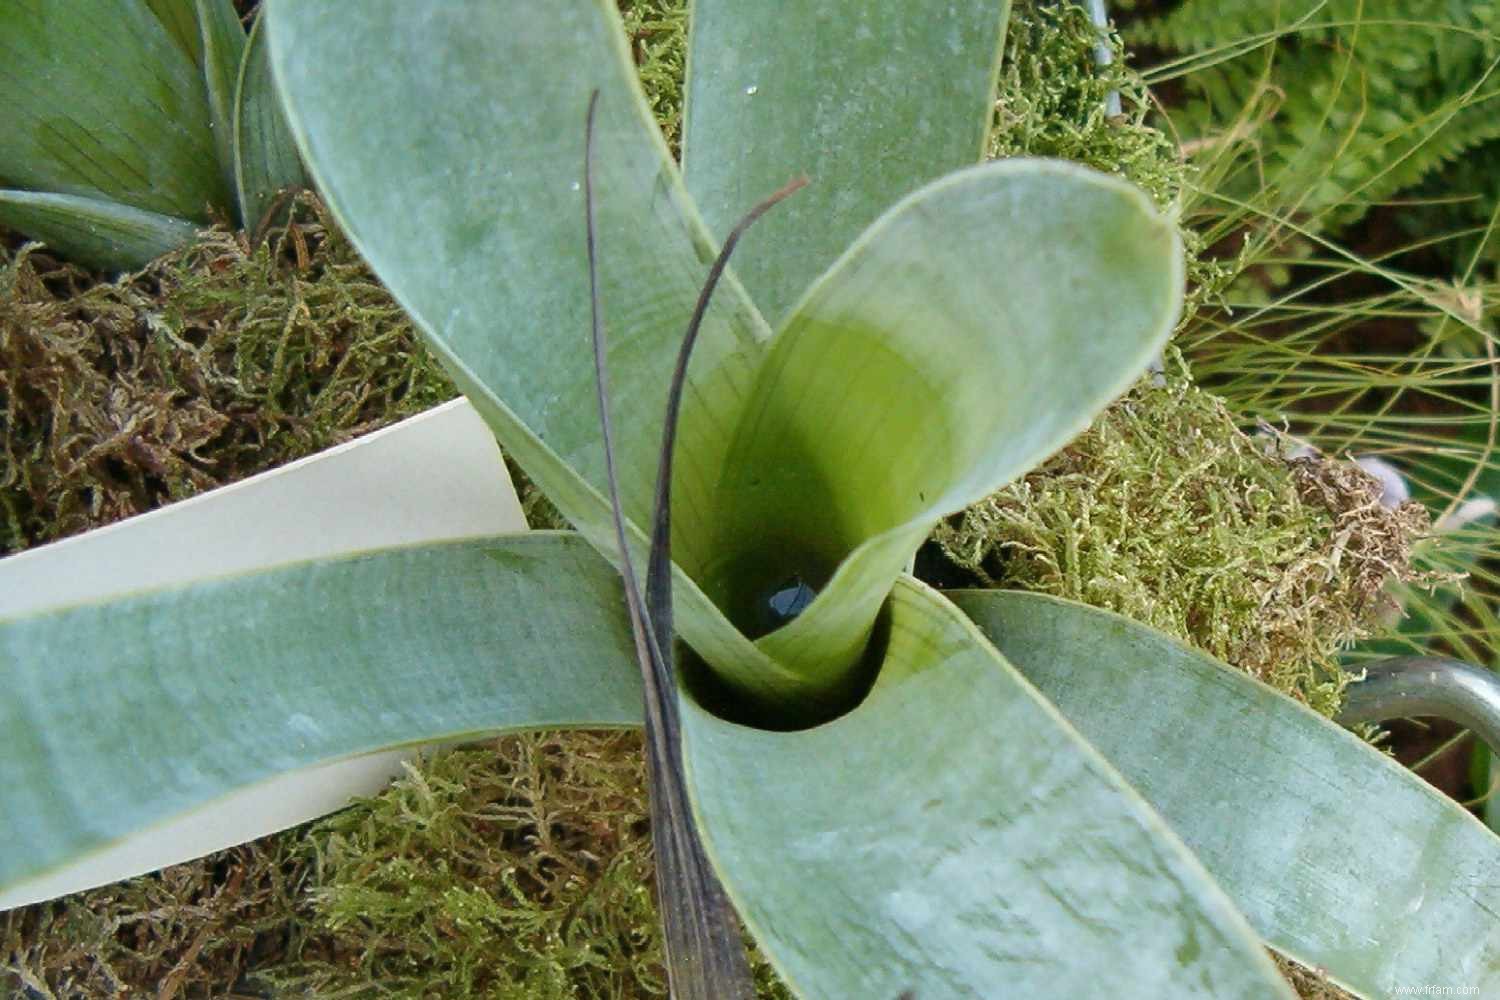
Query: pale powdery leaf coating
[
  {"x": 1337, "y": 855},
  {"x": 921, "y": 843},
  {"x": 525, "y": 633},
  {"x": 870, "y": 100}
]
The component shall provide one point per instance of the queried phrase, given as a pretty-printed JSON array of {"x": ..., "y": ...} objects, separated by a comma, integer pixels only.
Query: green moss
[
  {"x": 1164, "y": 511},
  {"x": 210, "y": 365},
  {"x": 657, "y": 31},
  {"x": 518, "y": 870},
  {"x": 1052, "y": 94},
  {"x": 1051, "y": 101}
]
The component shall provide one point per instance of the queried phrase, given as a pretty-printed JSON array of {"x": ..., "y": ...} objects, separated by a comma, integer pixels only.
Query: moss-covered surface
[
  {"x": 1165, "y": 512},
  {"x": 523, "y": 872},
  {"x": 657, "y": 30},
  {"x": 518, "y": 869},
  {"x": 210, "y": 365},
  {"x": 521, "y": 868},
  {"x": 192, "y": 930},
  {"x": 1052, "y": 100}
]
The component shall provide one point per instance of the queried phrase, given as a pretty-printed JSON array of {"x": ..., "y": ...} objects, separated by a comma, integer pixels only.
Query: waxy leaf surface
[
  {"x": 432, "y": 478},
  {"x": 264, "y": 155},
  {"x": 1338, "y": 855},
  {"x": 495, "y": 275},
  {"x": 953, "y": 836},
  {"x": 222, "y": 48},
  {"x": 182, "y": 22},
  {"x": 970, "y": 332},
  {"x": 100, "y": 100},
  {"x": 119, "y": 715},
  {"x": 456, "y": 166},
  {"x": 92, "y": 231},
  {"x": 869, "y": 100}
]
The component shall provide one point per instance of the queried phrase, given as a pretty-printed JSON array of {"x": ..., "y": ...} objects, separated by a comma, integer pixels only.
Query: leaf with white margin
[
  {"x": 955, "y": 837},
  {"x": 451, "y": 483},
  {"x": 1340, "y": 857},
  {"x": 118, "y": 715}
]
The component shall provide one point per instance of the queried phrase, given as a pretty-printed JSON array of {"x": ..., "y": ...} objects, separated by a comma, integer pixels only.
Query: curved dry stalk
[{"x": 704, "y": 956}]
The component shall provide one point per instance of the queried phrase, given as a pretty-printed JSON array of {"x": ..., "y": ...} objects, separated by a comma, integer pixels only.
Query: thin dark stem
[
  {"x": 704, "y": 956},
  {"x": 601, "y": 385},
  {"x": 659, "y": 569}
]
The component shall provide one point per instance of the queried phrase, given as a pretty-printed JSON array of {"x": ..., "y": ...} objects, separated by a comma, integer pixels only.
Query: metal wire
[
  {"x": 1102, "y": 55},
  {"x": 1406, "y": 686}
]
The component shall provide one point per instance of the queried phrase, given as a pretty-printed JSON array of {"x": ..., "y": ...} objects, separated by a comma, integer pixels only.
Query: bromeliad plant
[
  {"x": 983, "y": 793},
  {"x": 129, "y": 123}
]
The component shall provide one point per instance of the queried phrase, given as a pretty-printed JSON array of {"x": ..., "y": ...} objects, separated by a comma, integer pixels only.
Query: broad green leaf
[
  {"x": 954, "y": 837},
  {"x": 265, "y": 156},
  {"x": 101, "y": 102},
  {"x": 213, "y": 687},
  {"x": 436, "y": 476},
  {"x": 182, "y": 23},
  {"x": 223, "y": 49},
  {"x": 870, "y": 100},
  {"x": 93, "y": 232},
  {"x": 449, "y": 143},
  {"x": 973, "y": 330},
  {"x": 1339, "y": 857}
]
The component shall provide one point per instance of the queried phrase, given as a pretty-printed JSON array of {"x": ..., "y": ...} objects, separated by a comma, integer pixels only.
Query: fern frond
[{"x": 1364, "y": 98}]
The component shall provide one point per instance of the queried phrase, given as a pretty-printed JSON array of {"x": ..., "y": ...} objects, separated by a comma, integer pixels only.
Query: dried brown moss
[
  {"x": 1165, "y": 512},
  {"x": 210, "y": 365},
  {"x": 192, "y": 930},
  {"x": 1309, "y": 983}
]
